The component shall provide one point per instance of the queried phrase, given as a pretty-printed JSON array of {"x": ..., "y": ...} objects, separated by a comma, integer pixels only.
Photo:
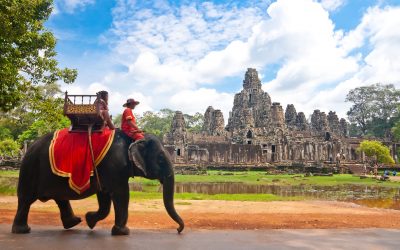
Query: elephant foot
[
  {"x": 91, "y": 219},
  {"x": 116, "y": 230},
  {"x": 71, "y": 221},
  {"x": 20, "y": 229}
]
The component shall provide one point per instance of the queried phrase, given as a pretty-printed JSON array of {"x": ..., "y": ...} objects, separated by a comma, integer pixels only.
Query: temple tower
[
  {"x": 214, "y": 123},
  {"x": 278, "y": 119},
  {"x": 252, "y": 106},
  {"x": 333, "y": 122},
  {"x": 290, "y": 116}
]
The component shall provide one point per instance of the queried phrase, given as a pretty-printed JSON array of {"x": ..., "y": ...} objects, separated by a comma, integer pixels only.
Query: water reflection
[
  {"x": 341, "y": 192},
  {"x": 371, "y": 196},
  {"x": 381, "y": 203}
]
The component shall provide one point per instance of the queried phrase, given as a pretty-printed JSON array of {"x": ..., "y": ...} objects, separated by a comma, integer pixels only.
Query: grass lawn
[
  {"x": 261, "y": 178},
  {"x": 8, "y": 185},
  {"x": 9, "y": 173},
  {"x": 151, "y": 187},
  {"x": 226, "y": 197}
]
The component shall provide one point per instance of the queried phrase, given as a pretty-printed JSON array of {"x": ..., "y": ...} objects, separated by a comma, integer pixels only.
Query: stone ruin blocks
[{"x": 260, "y": 132}]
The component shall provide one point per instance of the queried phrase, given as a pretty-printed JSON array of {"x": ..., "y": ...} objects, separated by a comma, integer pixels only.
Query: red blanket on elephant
[{"x": 69, "y": 155}]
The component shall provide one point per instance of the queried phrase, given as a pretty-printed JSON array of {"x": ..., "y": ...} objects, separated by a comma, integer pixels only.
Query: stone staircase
[{"x": 354, "y": 168}]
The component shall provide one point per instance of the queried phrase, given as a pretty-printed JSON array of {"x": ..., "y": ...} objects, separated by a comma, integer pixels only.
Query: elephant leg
[
  {"x": 20, "y": 224},
  {"x": 68, "y": 217},
  {"x": 104, "y": 201},
  {"x": 121, "y": 201}
]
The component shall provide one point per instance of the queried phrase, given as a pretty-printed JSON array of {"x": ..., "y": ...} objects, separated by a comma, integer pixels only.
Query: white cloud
[
  {"x": 176, "y": 56},
  {"x": 148, "y": 71},
  {"x": 182, "y": 49},
  {"x": 193, "y": 101},
  {"x": 168, "y": 50},
  {"x": 377, "y": 39},
  {"x": 70, "y": 6},
  {"x": 300, "y": 37},
  {"x": 227, "y": 62},
  {"x": 382, "y": 62},
  {"x": 187, "y": 32},
  {"x": 332, "y": 5}
]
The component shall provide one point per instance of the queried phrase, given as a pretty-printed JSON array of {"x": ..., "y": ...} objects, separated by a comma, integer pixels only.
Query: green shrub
[
  {"x": 5, "y": 133},
  {"x": 41, "y": 127},
  {"x": 376, "y": 151},
  {"x": 9, "y": 148}
]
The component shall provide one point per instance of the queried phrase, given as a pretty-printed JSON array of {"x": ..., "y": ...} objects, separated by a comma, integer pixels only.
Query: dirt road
[{"x": 150, "y": 214}]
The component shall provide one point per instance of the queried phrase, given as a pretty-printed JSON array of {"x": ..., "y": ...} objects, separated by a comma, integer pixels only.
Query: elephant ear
[{"x": 135, "y": 152}]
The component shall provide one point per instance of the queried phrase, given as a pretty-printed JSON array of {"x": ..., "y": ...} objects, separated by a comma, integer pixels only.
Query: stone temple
[{"x": 260, "y": 132}]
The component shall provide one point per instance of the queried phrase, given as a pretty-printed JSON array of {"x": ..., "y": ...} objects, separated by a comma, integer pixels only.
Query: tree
[
  {"x": 396, "y": 130},
  {"x": 27, "y": 51},
  {"x": 9, "y": 148},
  {"x": 42, "y": 127},
  {"x": 117, "y": 120},
  {"x": 41, "y": 113},
  {"x": 376, "y": 152},
  {"x": 354, "y": 130},
  {"x": 5, "y": 133},
  {"x": 374, "y": 108},
  {"x": 157, "y": 123},
  {"x": 194, "y": 123}
]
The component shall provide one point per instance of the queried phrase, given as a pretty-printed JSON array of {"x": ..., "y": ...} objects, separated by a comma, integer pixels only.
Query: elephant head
[{"x": 152, "y": 161}]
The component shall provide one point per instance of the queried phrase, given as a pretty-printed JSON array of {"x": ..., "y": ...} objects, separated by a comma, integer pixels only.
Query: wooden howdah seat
[{"x": 83, "y": 111}]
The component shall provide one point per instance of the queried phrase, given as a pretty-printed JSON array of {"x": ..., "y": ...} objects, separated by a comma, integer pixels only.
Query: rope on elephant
[{"x": 92, "y": 156}]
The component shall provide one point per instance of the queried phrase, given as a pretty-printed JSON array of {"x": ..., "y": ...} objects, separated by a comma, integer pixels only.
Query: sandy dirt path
[{"x": 150, "y": 214}]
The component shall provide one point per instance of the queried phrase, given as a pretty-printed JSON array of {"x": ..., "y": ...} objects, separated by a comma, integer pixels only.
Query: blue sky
[{"x": 187, "y": 55}]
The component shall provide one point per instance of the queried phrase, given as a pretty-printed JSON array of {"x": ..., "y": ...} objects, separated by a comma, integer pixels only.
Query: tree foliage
[
  {"x": 30, "y": 98},
  {"x": 376, "y": 152},
  {"x": 159, "y": 123},
  {"x": 396, "y": 130},
  {"x": 117, "y": 120},
  {"x": 5, "y": 133},
  {"x": 41, "y": 127},
  {"x": 41, "y": 114},
  {"x": 194, "y": 123},
  {"x": 27, "y": 52},
  {"x": 9, "y": 148},
  {"x": 374, "y": 109}
]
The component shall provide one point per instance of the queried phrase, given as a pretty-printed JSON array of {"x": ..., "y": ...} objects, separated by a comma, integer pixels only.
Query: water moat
[{"x": 371, "y": 196}]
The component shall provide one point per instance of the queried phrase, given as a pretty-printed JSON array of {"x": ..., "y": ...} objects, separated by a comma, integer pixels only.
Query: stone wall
[{"x": 224, "y": 153}]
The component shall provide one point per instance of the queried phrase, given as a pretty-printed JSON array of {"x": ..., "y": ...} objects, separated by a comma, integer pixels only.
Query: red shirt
[
  {"x": 133, "y": 132},
  {"x": 126, "y": 116}
]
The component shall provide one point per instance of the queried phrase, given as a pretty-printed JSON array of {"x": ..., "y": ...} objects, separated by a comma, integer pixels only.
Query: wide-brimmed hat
[{"x": 129, "y": 101}]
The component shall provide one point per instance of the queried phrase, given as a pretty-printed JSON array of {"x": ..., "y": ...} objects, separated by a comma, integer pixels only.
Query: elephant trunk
[{"x": 168, "y": 196}]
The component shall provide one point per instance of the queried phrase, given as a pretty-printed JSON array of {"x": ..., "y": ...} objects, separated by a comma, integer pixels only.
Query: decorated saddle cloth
[{"x": 70, "y": 156}]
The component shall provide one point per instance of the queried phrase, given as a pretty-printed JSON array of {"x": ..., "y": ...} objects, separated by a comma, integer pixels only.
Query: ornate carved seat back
[{"x": 83, "y": 111}]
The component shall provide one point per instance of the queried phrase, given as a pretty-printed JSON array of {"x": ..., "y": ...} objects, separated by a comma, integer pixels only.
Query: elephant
[{"x": 37, "y": 182}]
